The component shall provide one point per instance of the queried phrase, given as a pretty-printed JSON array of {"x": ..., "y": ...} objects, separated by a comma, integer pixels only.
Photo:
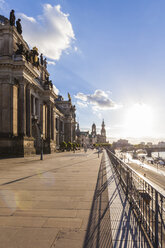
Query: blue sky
[{"x": 110, "y": 56}]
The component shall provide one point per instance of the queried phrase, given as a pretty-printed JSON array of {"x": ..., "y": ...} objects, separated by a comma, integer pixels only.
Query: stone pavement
[
  {"x": 46, "y": 203},
  {"x": 68, "y": 200}
]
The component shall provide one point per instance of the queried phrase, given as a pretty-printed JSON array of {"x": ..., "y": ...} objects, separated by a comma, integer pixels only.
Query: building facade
[
  {"x": 91, "y": 138},
  {"x": 30, "y": 110}
]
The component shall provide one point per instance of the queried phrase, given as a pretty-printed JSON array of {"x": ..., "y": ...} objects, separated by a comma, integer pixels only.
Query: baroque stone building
[
  {"x": 30, "y": 110},
  {"x": 84, "y": 138}
]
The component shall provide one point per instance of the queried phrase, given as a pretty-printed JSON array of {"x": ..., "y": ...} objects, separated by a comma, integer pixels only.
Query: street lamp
[
  {"x": 74, "y": 146},
  {"x": 41, "y": 146}
]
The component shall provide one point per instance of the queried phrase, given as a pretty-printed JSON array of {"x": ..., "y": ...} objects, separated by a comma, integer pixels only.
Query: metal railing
[{"x": 147, "y": 202}]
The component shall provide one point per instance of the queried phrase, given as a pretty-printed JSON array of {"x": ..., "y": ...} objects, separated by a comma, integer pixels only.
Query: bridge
[
  {"x": 154, "y": 149},
  {"x": 150, "y": 150}
]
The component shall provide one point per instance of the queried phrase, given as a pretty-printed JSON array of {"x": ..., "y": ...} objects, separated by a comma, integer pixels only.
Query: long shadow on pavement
[
  {"x": 112, "y": 225},
  {"x": 99, "y": 226}
]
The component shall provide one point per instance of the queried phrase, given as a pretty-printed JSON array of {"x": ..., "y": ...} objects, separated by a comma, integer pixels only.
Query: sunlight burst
[{"x": 139, "y": 121}]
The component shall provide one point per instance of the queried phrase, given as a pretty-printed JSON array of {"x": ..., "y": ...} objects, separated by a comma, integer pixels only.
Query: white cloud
[
  {"x": 55, "y": 90},
  {"x": 99, "y": 100},
  {"x": 51, "y": 62},
  {"x": 75, "y": 48},
  {"x": 51, "y": 32},
  {"x": 4, "y": 7},
  {"x": 82, "y": 104},
  {"x": 27, "y": 18}
]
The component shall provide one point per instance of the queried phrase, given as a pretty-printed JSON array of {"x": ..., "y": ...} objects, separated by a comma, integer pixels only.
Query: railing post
[
  {"x": 156, "y": 220},
  {"x": 127, "y": 182}
]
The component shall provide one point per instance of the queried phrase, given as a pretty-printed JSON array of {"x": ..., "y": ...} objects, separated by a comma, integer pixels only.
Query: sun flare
[{"x": 139, "y": 121}]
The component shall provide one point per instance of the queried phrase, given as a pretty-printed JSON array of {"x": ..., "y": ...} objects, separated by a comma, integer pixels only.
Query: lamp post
[
  {"x": 74, "y": 146},
  {"x": 41, "y": 147}
]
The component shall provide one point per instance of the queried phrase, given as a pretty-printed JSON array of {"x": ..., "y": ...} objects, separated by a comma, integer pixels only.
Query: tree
[
  {"x": 69, "y": 146},
  {"x": 63, "y": 146}
]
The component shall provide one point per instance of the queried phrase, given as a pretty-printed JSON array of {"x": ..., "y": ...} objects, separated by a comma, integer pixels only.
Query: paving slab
[
  {"x": 68, "y": 200},
  {"x": 47, "y": 203}
]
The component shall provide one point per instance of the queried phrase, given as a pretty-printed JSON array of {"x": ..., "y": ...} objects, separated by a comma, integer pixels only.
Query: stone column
[
  {"x": 52, "y": 124},
  {"x": 49, "y": 121},
  {"x": 68, "y": 130},
  {"x": 41, "y": 117},
  {"x": 22, "y": 110},
  {"x": 28, "y": 112},
  {"x": 6, "y": 108},
  {"x": 34, "y": 105}
]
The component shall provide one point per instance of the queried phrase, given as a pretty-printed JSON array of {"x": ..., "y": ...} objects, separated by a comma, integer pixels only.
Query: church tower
[
  {"x": 94, "y": 129},
  {"x": 103, "y": 132}
]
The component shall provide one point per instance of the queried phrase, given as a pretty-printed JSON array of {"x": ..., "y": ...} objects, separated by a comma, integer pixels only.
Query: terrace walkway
[{"x": 68, "y": 200}]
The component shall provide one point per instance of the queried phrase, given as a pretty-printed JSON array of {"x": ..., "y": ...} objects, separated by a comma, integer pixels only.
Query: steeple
[
  {"x": 93, "y": 129},
  {"x": 103, "y": 132},
  {"x": 78, "y": 128}
]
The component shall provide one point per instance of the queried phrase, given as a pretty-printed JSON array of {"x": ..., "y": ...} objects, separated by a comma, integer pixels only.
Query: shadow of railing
[
  {"x": 98, "y": 232},
  {"x": 146, "y": 201},
  {"x": 107, "y": 228},
  {"x": 126, "y": 230}
]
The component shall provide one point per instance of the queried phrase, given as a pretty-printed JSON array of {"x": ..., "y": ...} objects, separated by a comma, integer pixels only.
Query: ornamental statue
[
  {"x": 27, "y": 55},
  {"x": 12, "y": 18},
  {"x": 41, "y": 59},
  {"x": 34, "y": 56},
  {"x": 20, "y": 50},
  {"x": 45, "y": 63},
  {"x": 69, "y": 97},
  {"x": 18, "y": 26}
]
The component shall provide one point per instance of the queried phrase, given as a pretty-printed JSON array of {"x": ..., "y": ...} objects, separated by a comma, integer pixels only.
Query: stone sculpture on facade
[
  {"x": 45, "y": 63},
  {"x": 12, "y": 18},
  {"x": 69, "y": 97},
  {"x": 34, "y": 56},
  {"x": 18, "y": 26},
  {"x": 20, "y": 50},
  {"x": 27, "y": 55},
  {"x": 41, "y": 59}
]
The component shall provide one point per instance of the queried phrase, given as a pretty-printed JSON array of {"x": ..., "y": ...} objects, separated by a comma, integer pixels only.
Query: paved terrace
[{"x": 68, "y": 200}]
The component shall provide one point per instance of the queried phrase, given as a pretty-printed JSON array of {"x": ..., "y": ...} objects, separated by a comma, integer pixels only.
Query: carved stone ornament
[
  {"x": 20, "y": 50},
  {"x": 18, "y": 26},
  {"x": 12, "y": 18}
]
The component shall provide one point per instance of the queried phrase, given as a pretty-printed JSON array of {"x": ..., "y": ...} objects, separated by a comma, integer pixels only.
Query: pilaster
[
  {"x": 22, "y": 110},
  {"x": 28, "y": 112}
]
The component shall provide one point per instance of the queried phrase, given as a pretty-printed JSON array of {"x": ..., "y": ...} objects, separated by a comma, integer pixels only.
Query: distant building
[
  {"x": 161, "y": 144},
  {"x": 121, "y": 143},
  {"x": 91, "y": 138},
  {"x": 149, "y": 144},
  {"x": 82, "y": 138},
  {"x": 102, "y": 138}
]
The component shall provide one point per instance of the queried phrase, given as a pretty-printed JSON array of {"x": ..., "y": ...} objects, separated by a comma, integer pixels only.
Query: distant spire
[{"x": 103, "y": 124}]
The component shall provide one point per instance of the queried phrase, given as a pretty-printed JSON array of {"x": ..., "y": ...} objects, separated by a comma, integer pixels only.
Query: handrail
[
  {"x": 144, "y": 178},
  {"x": 145, "y": 199}
]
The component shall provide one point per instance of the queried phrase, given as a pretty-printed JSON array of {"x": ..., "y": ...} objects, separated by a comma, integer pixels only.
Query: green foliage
[
  {"x": 103, "y": 145},
  {"x": 63, "y": 146},
  {"x": 69, "y": 146},
  {"x": 74, "y": 146}
]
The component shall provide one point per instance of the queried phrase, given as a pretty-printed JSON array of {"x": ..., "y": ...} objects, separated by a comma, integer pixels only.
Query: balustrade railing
[{"x": 146, "y": 201}]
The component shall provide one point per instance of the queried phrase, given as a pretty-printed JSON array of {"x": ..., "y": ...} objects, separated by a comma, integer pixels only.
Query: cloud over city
[
  {"x": 99, "y": 100},
  {"x": 51, "y": 31}
]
